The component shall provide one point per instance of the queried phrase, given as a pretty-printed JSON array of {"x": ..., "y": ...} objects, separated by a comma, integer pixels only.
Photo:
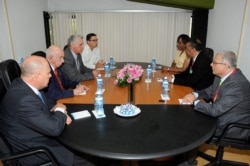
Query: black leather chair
[
  {"x": 9, "y": 70},
  {"x": 39, "y": 53},
  {"x": 209, "y": 52},
  {"x": 224, "y": 141},
  {"x": 9, "y": 158},
  {"x": 3, "y": 90}
]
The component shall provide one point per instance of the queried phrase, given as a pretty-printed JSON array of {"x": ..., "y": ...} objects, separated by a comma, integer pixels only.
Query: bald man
[
  {"x": 59, "y": 86},
  {"x": 29, "y": 120}
]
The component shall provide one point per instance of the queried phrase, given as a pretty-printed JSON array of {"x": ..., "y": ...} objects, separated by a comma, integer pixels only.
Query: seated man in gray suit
[
  {"x": 229, "y": 94},
  {"x": 29, "y": 120},
  {"x": 73, "y": 67}
]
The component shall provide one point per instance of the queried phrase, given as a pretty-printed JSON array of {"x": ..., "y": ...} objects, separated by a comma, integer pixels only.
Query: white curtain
[{"x": 127, "y": 36}]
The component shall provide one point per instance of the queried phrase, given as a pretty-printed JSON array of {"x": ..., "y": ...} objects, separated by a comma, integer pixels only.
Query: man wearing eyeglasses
[
  {"x": 91, "y": 54},
  {"x": 229, "y": 94}
]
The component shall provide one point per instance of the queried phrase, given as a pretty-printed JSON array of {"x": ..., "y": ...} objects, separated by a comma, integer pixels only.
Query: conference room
[{"x": 135, "y": 48}]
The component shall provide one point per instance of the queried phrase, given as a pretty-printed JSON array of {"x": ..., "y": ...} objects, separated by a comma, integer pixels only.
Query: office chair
[
  {"x": 223, "y": 141},
  {"x": 209, "y": 52},
  {"x": 39, "y": 53},
  {"x": 3, "y": 90},
  {"x": 9, "y": 70},
  {"x": 9, "y": 158}
]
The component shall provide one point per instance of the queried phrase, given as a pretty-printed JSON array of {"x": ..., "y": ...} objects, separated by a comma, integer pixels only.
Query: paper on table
[
  {"x": 83, "y": 93},
  {"x": 165, "y": 98},
  {"x": 101, "y": 68},
  {"x": 102, "y": 91},
  {"x": 97, "y": 117},
  {"x": 159, "y": 79},
  {"x": 180, "y": 101},
  {"x": 81, "y": 114}
]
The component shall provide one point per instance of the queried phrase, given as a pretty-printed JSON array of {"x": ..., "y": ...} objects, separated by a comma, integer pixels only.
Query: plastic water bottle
[
  {"x": 107, "y": 70},
  {"x": 111, "y": 62},
  {"x": 149, "y": 72},
  {"x": 99, "y": 105},
  {"x": 165, "y": 87},
  {"x": 153, "y": 64},
  {"x": 99, "y": 84}
]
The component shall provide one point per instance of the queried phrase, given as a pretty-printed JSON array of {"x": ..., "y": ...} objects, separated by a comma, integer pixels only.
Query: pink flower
[
  {"x": 130, "y": 73},
  {"x": 129, "y": 80}
]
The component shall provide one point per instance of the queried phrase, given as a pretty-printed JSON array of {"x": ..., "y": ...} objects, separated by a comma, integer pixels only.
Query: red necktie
[
  {"x": 58, "y": 79},
  {"x": 216, "y": 91}
]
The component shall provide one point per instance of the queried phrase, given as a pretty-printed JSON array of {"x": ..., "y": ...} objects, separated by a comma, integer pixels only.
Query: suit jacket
[
  {"x": 69, "y": 68},
  {"x": 27, "y": 122},
  {"x": 231, "y": 105},
  {"x": 54, "y": 91},
  {"x": 202, "y": 75}
]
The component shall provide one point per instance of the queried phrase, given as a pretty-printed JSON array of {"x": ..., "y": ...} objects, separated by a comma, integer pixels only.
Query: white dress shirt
[{"x": 90, "y": 57}]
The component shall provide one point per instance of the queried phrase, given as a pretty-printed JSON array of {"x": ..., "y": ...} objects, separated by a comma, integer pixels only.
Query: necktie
[
  {"x": 191, "y": 66},
  {"x": 58, "y": 79},
  {"x": 77, "y": 63},
  {"x": 41, "y": 97},
  {"x": 216, "y": 91}
]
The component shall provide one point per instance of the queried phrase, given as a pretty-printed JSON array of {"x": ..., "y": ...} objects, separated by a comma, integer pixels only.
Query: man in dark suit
[
  {"x": 229, "y": 94},
  {"x": 199, "y": 74},
  {"x": 73, "y": 67},
  {"x": 29, "y": 120},
  {"x": 59, "y": 86}
]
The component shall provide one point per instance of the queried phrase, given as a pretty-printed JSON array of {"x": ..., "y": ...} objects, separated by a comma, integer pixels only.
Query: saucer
[{"x": 117, "y": 112}]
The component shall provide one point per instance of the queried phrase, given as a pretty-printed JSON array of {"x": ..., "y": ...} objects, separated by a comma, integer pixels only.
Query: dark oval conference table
[
  {"x": 158, "y": 131},
  {"x": 161, "y": 129}
]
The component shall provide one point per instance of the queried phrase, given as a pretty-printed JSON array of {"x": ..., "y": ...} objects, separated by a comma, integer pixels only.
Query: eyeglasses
[
  {"x": 95, "y": 40},
  {"x": 218, "y": 63}
]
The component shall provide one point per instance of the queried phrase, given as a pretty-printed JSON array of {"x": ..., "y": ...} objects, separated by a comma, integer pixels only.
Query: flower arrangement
[{"x": 129, "y": 74}]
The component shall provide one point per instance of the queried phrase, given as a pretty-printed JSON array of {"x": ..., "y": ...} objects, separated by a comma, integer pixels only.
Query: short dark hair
[
  {"x": 88, "y": 36},
  {"x": 184, "y": 38},
  {"x": 196, "y": 43}
]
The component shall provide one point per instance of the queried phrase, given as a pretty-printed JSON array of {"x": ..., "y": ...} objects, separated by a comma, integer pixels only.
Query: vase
[{"x": 130, "y": 93}]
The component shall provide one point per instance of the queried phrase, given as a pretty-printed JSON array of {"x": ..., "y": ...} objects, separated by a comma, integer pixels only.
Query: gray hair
[
  {"x": 230, "y": 57},
  {"x": 74, "y": 38}
]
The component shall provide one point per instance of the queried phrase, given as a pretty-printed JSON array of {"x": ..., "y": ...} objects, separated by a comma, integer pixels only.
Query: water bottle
[
  {"x": 153, "y": 64},
  {"x": 111, "y": 62},
  {"x": 99, "y": 105},
  {"x": 99, "y": 84},
  {"x": 149, "y": 71},
  {"x": 165, "y": 87},
  {"x": 107, "y": 70}
]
